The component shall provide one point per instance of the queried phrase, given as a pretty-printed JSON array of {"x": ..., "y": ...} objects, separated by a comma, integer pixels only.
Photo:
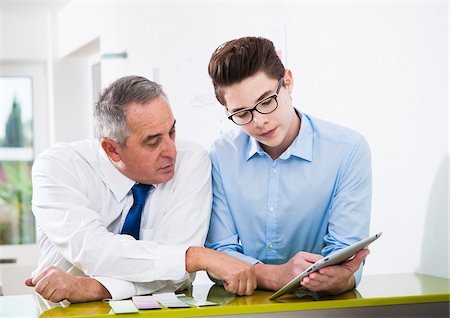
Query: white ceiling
[{"x": 32, "y": 5}]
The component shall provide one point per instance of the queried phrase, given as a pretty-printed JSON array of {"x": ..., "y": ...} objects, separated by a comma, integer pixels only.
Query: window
[{"x": 16, "y": 158}]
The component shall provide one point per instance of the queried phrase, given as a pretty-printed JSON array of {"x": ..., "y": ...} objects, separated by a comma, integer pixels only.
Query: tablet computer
[{"x": 332, "y": 259}]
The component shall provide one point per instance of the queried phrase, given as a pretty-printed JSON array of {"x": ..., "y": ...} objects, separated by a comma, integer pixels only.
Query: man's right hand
[
  {"x": 56, "y": 285},
  {"x": 273, "y": 277},
  {"x": 238, "y": 276}
]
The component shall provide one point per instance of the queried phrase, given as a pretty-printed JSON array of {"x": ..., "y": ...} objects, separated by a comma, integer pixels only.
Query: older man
[{"x": 129, "y": 210}]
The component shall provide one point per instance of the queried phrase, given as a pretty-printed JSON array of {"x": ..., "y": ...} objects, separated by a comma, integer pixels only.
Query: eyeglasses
[{"x": 264, "y": 106}]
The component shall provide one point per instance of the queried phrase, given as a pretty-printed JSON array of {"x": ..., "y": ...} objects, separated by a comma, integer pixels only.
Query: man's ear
[
  {"x": 288, "y": 80},
  {"x": 111, "y": 148}
]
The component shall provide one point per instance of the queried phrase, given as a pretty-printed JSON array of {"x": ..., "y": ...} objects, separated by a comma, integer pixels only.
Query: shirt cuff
[
  {"x": 119, "y": 289},
  {"x": 243, "y": 257},
  {"x": 170, "y": 262},
  {"x": 358, "y": 274}
]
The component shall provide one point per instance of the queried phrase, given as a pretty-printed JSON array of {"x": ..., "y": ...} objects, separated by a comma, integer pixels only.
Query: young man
[
  {"x": 129, "y": 210},
  {"x": 288, "y": 188}
]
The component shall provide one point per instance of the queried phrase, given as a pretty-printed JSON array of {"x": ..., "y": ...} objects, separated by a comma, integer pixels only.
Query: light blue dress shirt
[{"x": 316, "y": 197}]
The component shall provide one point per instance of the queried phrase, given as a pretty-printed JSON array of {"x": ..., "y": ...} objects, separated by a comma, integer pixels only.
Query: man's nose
[
  {"x": 170, "y": 149},
  {"x": 259, "y": 119}
]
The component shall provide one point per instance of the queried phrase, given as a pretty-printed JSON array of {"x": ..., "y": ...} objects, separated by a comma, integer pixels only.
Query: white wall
[
  {"x": 378, "y": 67},
  {"x": 71, "y": 99},
  {"x": 23, "y": 35},
  {"x": 382, "y": 69}
]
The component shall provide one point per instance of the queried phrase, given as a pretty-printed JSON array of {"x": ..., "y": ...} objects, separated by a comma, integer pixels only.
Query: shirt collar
[
  {"x": 301, "y": 147},
  {"x": 253, "y": 148},
  {"x": 118, "y": 183}
]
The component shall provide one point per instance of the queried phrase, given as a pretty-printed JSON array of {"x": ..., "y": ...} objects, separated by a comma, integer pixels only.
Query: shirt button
[
  {"x": 271, "y": 209},
  {"x": 269, "y": 245},
  {"x": 274, "y": 170}
]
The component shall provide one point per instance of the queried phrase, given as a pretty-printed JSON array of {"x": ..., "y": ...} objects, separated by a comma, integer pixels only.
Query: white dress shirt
[{"x": 80, "y": 201}]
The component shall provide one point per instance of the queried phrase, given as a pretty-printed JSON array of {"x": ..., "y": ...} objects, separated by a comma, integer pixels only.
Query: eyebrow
[
  {"x": 260, "y": 98},
  {"x": 150, "y": 137}
]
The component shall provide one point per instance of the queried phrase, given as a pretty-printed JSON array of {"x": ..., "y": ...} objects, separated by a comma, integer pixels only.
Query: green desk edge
[{"x": 374, "y": 290}]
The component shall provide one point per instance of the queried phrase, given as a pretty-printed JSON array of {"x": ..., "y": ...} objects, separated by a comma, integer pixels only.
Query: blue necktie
[{"x": 132, "y": 223}]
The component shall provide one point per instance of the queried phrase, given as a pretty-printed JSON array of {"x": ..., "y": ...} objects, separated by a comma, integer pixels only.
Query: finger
[
  {"x": 226, "y": 285},
  {"x": 310, "y": 283},
  {"x": 45, "y": 290},
  {"x": 250, "y": 285},
  {"x": 310, "y": 257},
  {"x": 35, "y": 280},
  {"x": 305, "y": 284},
  {"x": 55, "y": 296},
  {"x": 356, "y": 261},
  {"x": 231, "y": 287},
  {"x": 329, "y": 271},
  {"x": 41, "y": 285},
  {"x": 314, "y": 285},
  {"x": 242, "y": 286},
  {"x": 319, "y": 277},
  {"x": 29, "y": 282}
]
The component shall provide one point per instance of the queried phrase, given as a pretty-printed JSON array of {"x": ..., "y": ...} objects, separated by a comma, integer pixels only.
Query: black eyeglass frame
[{"x": 251, "y": 109}]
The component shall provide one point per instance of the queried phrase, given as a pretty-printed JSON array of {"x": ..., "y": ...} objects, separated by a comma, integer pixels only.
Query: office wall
[
  {"x": 23, "y": 35},
  {"x": 378, "y": 67},
  {"x": 23, "y": 51}
]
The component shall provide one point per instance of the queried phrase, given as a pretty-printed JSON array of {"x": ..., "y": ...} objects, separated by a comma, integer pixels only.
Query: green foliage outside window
[
  {"x": 14, "y": 127},
  {"x": 16, "y": 218}
]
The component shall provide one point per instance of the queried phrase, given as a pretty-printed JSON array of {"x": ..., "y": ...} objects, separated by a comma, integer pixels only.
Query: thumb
[
  {"x": 29, "y": 282},
  {"x": 308, "y": 257},
  {"x": 356, "y": 261}
]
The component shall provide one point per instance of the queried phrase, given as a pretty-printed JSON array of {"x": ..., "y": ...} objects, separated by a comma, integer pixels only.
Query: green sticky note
[
  {"x": 194, "y": 302},
  {"x": 123, "y": 306}
]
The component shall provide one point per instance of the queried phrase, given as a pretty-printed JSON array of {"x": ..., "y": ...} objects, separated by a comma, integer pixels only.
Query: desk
[{"x": 375, "y": 291}]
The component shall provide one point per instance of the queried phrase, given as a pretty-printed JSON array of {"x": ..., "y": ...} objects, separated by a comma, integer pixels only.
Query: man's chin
[{"x": 165, "y": 177}]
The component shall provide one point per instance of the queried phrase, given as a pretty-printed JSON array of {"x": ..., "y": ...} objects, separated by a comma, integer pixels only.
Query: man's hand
[
  {"x": 238, "y": 276},
  {"x": 56, "y": 285},
  {"x": 331, "y": 279},
  {"x": 335, "y": 279},
  {"x": 273, "y": 277}
]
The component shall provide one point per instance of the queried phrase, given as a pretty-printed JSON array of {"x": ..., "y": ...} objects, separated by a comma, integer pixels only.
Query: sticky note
[
  {"x": 145, "y": 302},
  {"x": 123, "y": 306},
  {"x": 169, "y": 300},
  {"x": 197, "y": 303}
]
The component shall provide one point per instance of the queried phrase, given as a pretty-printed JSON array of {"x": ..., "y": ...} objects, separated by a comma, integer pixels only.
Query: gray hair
[{"x": 109, "y": 116}]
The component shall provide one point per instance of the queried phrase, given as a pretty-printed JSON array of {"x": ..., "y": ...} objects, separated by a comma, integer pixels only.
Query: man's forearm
[
  {"x": 195, "y": 259},
  {"x": 84, "y": 289},
  {"x": 268, "y": 276},
  {"x": 201, "y": 258}
]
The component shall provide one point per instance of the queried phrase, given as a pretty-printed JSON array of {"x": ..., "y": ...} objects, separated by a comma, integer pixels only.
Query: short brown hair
[{"x": 238, "y": 59}]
